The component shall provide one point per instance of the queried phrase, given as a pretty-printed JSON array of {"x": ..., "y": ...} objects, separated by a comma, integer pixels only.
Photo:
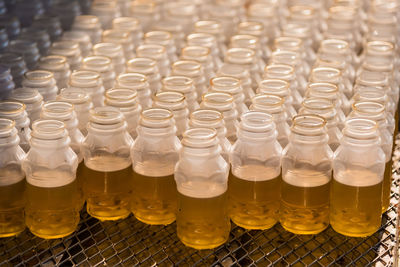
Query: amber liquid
[
  {"x": 107, "y": 193},
  {"x": 254, "y": 204},
  {"x": 12, "y": 202},
  {"x": 203, "y": 223},
  {"x": 79, "y": 179},
  {"x": 52, "y": 212},
  {"x": 356, "y": 210},
  {"x": 154, "y": 199},
  {"x": 305, "y": 208},
  {"x": 387, "y": 185}
]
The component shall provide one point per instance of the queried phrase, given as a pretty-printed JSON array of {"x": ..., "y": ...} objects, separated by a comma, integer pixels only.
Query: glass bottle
[
  {"x": 183, "y": 85},
  {"x": 294, "y": 44},
  {"x": 255, "y": 177},
  {"x": 82, "y": 104},
  {"x": 304, "y": 33},
  {"x": 39, "y": 36},
  {"x": 256, "y": 29},
  {"x": 158, "y": 53},
  {"x": 102, "y": 65},
  {"x": 105, "y": 11},
  {"x": 122, "y": 38},
  {"x": 53, "y": 197},
  {"x": 28, "y": 49},
  {"x": 154, "y": 155},
  {"x": 215, "y": 28},
  {"x": 114, "y": 52},
  {"x": 131, "y": 25},
  {"x": 224, "y": 103},
  {"x": 12, "y": 181},
  {"x": 137, "y": 82},
  {"x": 147, "y": 67},
  {"x": 90, "y": 25},
  {"x": 306, "y": 176},
  {"x": 91, "y": 83},
  {"x": 274, "y": 106},
  {"x": 126, "y": 101},
  {"x": 147, "y": 12},
  {"x": 175, "y": 29},
  {"x": 176, "y": 103},
  {"x": 32, "y": 99},
  {"x": 209, "y": 41},
  {"x": 358, "y": 167},
  {"x": 43, "y": 81},
  {"x": 165, "y": 39},
  {"x": 267, "y": 15},
  {"x": 16, "y": 64},
  {"x": 251, "y": 42},
  {"x": 3, "y": 40},
  {"x": 182, "y": 13},
  {"x": 68, "y": 49},
  {"x": 226, "y": 84},
  {"x": 59, "y": 66},
  {"x": 203, "y": 56},
  {"x": 83, "y": 38},
  {"x": 201, "y": 175},
  {"x": 107, "y": 174},
  {"x": 210, "y": 118},
  {"x": 6, "y": 82},
  {"x": 326, "y": 109},
  {"x": 193, "y": 70},
  {"x": 51, "y": 23},
  {"x": 12, "y": 25}
]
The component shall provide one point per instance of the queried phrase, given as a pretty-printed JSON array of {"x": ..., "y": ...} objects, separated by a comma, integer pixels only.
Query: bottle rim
[
  {"x": 38, "y": 75},
  {"x": 156, "y": 114},
  {"x": 6, "y": 125},
  {"x": 73, "y": 96},
  {"x": 48, "y": 129},
  {"x": 158, "y": 35},
  {"x": 106, "y": 115},
  {"x": 53, "y": 60},
  {"x": 218, "y": 97},
  {"x": 96, "y": 60},
  {"x": 10, "y": 108},
  {"x": 310, "y": 123},
  {"x": 169, "y": 97},
  {"x": 195, "y": 48},
  {"x": 209, "y": 116}
]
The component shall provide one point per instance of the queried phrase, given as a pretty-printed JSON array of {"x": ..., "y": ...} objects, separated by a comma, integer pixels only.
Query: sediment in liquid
[
  {"x": 356, "y": 203},
  {"x": 12, "y": 202},
  {"x": 305, "y": 201},
  {"x": 254, "y": 195}
]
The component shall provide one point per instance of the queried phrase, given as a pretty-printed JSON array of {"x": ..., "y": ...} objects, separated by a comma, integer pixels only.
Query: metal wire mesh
[{"x": 129, "y": 242}]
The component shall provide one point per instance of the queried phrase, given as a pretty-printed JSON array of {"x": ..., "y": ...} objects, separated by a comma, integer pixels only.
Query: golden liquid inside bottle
[
  {"x": 254, "y": 204},
  {"x": 154, "y": 199},
  {"x": 12, "y": 202},
  {"x": 356, "y": 210},
  {"x": 107, "y": 193},
  {"x": 387, "y": 185},
  {"x": 203, "y": 223},
  {"x": 52, "y": 212},
  {"x": 305, "y": 202},
  {"x": 79, "y": 179}
]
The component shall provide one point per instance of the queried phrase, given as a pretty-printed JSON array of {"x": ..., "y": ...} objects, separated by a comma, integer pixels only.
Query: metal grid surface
[{"x": 130, "y": 242}]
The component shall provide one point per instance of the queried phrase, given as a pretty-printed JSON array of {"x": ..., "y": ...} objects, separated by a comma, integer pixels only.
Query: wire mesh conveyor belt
[{"x": 130, "y": 242}]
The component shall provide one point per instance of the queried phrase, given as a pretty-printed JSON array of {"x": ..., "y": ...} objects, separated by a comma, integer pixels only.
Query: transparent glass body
[
  {"x": 306, "y": 176},
  {"x": 53, "y": 197},
  {"x": 91, "y": 83},
  {"x": 137, "y": 82},
  {"x": 107, "y": 174},
  {"x": 158, "y": 53},
  {"x": 16, "y": 64},
  {"x": 16, "y": 111},
  {"x": 175, "y": 29},
  {"x": 147, "y": 67},
  {"x": 176, "y": 103},
  {"x": 200, "y": 54},
  {"x": 274, "y": 105},
  {"x": 358, "y": 170},
  {"x": 32, "y": 99},
  {"x": 184, "y": 13},
  {"x": 83, "y": 38},
  {"x": 102, "y": 65},
  {"x": 165, "y": 39},
  {"x": 209, "y": 41},
  {"x": 59, "y": 66},
  {"x": 43, "y": 81},
  {"x": 256, "y": 29},
  {"x": 12, "y": 181},
  {"x": 184, "y": 85},
  {"x": 212, "y": 27},
  {"x": 122, "y": 38},
  {"x": 126, "y": 101},
  {"x": 201, "y": 176},
  {"x": 250, "y": 42},
  {"x": 28, "y": 49},
  {"x": 255, "y": 177},
  {"x": 90, "y": 25},
  {"x": 114, "y": 52},
  {"x": 68, "y": 49},
  {"x": 154, "y": 155},
  {"x": 105, "y": 11},
  {"x": 147, "y": 12},
  {"x": 131, "y": 25}
]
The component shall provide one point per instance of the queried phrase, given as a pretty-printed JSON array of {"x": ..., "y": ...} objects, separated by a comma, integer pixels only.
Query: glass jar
[
  {"x": 159, "y": 54},
  {"x": 114, "y": 52},
  {"x": 147, "y": 12},
  {"x": 165, "y": 39},
  {"x": 51, "y": 23},
  {"x": 201, "y": 175},
  {"x": 53, "y": 197},
  {"x": 267, "y": 15},
  {"x": 82, "y": 104},
  {"x": 81, "y": 37},
  {"x": 182, "y": 13},
  {"x": 6, "y": 82},
  {"x": 137, "y": 82},
  {"x": 28, "y": 49},
  {"x": 306, "y": 176},
  {"x": 32, "y": 99},
  {"x": 209, "y": 41},
  {"x": 154, "y": 155},
  {"x": 193, "y": 70},
  {"x": 126, "y": 101},
  {"x": 90, "y": 25},
  {"x": 3, "y": 40},
  {"x": 147, "y": 67},
  {"x": 107, "y": 174},
  {"x": 122, "y": 38},
  {"x": 210, "y": 118},
  {"x": 274, "y": 106},
  {"x": 105, "y": 11},
  {"x": 255, "y": 177},
  {"x": 183, "y": 85},
  {"x": 70, "y": 50},
  {"x": 304, "y": 33},
  {"x": 358, "y": 170},
  {"x": 250, "y": 42},
  {"x": 43, "y": 81},
  {"x": 175, "y": 29},
  {"x": 131, "y": 25},
  {"x": 39, "y": 36},
  {"x": 90, "y": 82},
  {"x": 12, "y": 181},
  {"x": 102, "y": 65},
  {"x": 226, "y": 84},
  {"x": 224, "y": 103},
  {"x": 296, "y": 45},
  {"x": 212, "y": 27},
  {"x": 16, "y": 64},
  {"x": 256, "y": 29},
  {"x": 11, "y": 24},
  {"x": 59, "y": 66},
  {"x": 202, "y": 55}
]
